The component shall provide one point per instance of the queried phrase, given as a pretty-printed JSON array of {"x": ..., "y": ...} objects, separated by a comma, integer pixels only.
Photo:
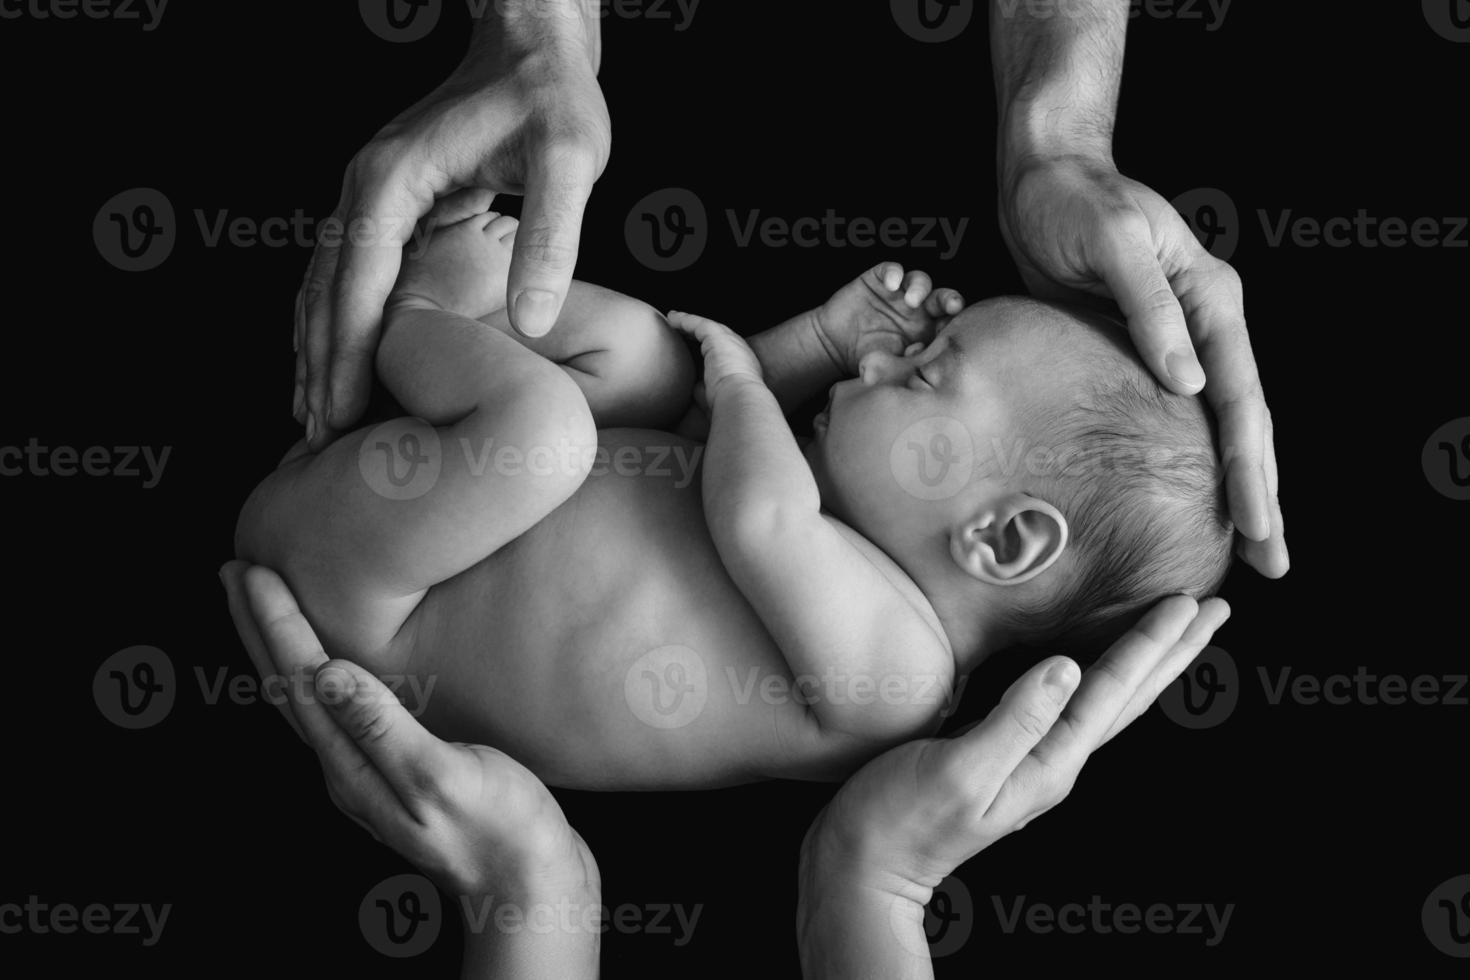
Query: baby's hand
[
  {"x": 727, "y": 357},
  {"x": 883, "y": 309}
]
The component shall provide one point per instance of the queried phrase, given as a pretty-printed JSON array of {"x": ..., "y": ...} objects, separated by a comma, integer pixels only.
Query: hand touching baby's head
[{"x": 1025, "y": 467}]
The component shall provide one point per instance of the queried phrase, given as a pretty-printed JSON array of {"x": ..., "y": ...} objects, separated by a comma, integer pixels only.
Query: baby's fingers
[
  {"x": 916, "y": 289},
  {"x": 943, "y": 302},
  {"x": 888, "y": 276}
]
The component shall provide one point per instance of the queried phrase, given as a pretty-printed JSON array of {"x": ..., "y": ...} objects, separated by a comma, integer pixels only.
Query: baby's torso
[{"x": 607, "y": 647}]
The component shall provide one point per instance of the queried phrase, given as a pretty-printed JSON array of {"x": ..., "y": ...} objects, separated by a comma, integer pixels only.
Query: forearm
[
  {"x": 508, "y": 31},
  {"x": 853, "y": 924},
  {"x": 796, "y": 361},
  {"x": 752, "y": 464},
  {"x": 555, "y": 935},
  {"x": 1058, "y": 68}
]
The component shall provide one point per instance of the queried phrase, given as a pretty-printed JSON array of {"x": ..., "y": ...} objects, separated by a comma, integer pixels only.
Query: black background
[{"x": 1326, "y": 825}]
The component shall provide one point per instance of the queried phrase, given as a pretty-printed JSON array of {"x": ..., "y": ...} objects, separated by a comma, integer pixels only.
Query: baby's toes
[
  {"x": 916, "y": 289},
  {"x": 943, "y": 302},
  {"x": 502, "y": 228}
]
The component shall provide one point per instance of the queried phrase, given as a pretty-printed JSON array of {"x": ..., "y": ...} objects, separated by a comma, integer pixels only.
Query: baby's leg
[
  {"x": 632, "y": 367},
  {"x": 361, "y": 530}
]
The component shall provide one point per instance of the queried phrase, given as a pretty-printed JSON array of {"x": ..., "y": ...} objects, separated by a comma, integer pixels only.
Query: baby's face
[{"x": 919, "y": 439}]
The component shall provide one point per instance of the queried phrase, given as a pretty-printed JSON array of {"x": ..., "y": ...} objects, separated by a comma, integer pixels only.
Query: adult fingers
[
  {"x": 1211, "y": 616},
  {"x": 232, "y": 575},
  {"x": 380, "y": 220},
  {"x": 984, "y": 755},
  {"x": 416, "y": 764},
  {"x": 1269, "y": 557},
  {"x": 558, "y": 183},
  {"x": 294, "y": 650},
  {"x": 315, "y": 328},
  {"x": 1214, "y": 303},
  {"x": 1111, "y": 684},
  {"x": 1128, "y": 263}
]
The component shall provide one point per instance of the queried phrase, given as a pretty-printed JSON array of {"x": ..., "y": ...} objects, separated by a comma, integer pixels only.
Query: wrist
[
  {"x": 834, "y": 862},
  {"x": 1041, "y": 128},
  {"x": 836, "y": 349},
  {"x": 728, "y": 385},
  {"x": 572, "y": 878}
]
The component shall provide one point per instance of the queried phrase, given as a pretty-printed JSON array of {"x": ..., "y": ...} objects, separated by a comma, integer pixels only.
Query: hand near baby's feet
[
  {"x": 883, "y": 309},
  {"x": 460, "y": 266}
]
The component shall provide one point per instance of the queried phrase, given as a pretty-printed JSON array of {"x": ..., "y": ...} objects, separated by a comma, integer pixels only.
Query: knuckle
[
  {"x": 1032, "y": 720},
  {"x": 544, "y": 249},
  {"x": 375, "y": 163},
  {"x": 369, "y": 726}
]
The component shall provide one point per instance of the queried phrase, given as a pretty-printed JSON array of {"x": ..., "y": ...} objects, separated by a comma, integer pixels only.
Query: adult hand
[
  {"x": 470, "y": 817},
  {"x": 1078, "y": 227},
  {"x": 522, "y": 114},
  {"x": 910, "y": 817}
]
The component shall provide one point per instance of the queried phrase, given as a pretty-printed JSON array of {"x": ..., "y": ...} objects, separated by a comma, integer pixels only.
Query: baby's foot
[{"x": 460, "y": 267}]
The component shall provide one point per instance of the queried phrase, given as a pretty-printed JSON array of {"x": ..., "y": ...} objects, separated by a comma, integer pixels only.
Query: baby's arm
[
  {"x": 633, "y": 369},
  {"x": 884, "y": 308},
  {"x": 830, "y": 609}
]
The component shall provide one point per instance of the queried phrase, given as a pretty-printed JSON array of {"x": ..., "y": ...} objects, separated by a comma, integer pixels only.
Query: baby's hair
[{"x": 1141, "y": 487}]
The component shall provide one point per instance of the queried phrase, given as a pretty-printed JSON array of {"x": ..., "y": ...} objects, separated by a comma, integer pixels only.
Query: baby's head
[{"x": 1030, "y": 475}]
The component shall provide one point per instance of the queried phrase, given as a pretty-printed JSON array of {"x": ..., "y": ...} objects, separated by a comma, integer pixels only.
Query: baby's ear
[{"x": 1009, "y": 540}]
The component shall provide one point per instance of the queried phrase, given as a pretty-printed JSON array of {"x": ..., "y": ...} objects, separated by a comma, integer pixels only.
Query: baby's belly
[{"x": 607, "y": 648}]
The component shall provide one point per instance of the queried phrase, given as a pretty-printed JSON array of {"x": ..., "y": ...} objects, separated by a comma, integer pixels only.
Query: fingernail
[
  {"x": 535, "y": 312},
  {"x": 1184, "y": 369},
  {"x": 334, "y": 685},
  {"x": 310, "y": 427},
  {"x": 327, "y": 410},
  {"x": 298, "y": 400},
  {"x": 1062, "y": 677}
]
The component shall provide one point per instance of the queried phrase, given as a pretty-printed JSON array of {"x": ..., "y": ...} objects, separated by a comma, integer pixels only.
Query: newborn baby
[{"x": 624, "y": 591}]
